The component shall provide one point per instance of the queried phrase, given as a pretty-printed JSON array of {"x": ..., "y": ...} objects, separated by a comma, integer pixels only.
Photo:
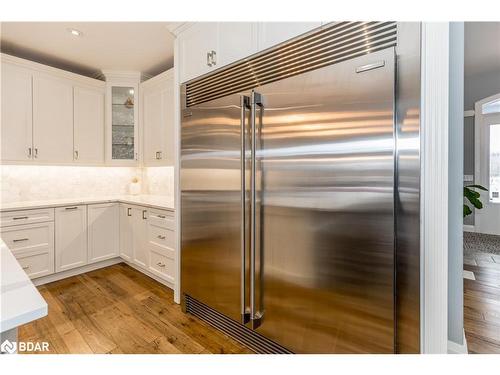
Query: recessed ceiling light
[{"x": 75, "y": 32}]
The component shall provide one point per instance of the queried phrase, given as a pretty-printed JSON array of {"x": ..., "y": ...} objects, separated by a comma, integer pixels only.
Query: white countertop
[
  {"x": 20, "y": 301},
  {"x": 162, "y": 202}
]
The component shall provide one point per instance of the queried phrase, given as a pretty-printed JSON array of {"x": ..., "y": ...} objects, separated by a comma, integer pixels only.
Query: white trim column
[{"x": 434, "y": 185}]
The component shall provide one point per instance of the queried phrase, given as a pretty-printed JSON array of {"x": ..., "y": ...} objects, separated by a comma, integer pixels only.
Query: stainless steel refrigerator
[{"x": 288, "y": 176}]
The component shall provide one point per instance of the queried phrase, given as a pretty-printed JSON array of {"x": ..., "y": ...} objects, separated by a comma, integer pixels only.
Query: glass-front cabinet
[
  {"x": 122, "y": 123},
  {"x": 122, "y": 118}
]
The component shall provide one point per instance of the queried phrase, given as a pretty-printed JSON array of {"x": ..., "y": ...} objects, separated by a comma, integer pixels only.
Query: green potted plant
[{"x": 473, "y": 197}]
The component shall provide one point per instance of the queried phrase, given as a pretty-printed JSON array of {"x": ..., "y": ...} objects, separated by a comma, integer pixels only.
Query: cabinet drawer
[
  {"x": 161, "y": 266},
  {"x": 162, "y": 238},
  {"x": 29, "y": 239},
  {"x": 161, "y": 219},
  {"x": 37, "y": 265},
  {"x": 10, "y": 218}
]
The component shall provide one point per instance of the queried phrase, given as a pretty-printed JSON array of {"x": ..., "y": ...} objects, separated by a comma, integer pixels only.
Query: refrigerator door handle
[
  {"x": 245, "y": 310},
  {"x": 255, "y": 313}
]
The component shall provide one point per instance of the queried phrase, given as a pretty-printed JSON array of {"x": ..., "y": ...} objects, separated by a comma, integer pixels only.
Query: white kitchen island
[{"x": 20, "y": 301}]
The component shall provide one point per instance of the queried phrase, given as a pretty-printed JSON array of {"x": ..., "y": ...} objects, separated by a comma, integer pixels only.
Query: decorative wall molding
[
  {"x": 434, "y": 185},
  {"x": 46, "y": 69}
]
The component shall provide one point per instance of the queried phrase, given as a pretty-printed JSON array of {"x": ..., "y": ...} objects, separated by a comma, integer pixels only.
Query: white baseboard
[
  {"x": 469, "y": 228},
  {"x": 76, "y": 271},
  {"x": 454, "y": 348},
  {"x": 92, "y": 267}
]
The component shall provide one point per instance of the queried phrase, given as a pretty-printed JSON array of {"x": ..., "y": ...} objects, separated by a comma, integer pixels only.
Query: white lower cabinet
[
  {"x": 58, "y": 239},
  {"x": 126, "y": 232},
  {"x": 33, "y": 247},
  {"x": 103, "y": 231},
  {"x": 161, "y": 245},
  {"x": 133, "y": 234},
  {"x": 71, "y": 237},
  {"x": 147, "y": 240},
  {"x": 139, "y": 225}
]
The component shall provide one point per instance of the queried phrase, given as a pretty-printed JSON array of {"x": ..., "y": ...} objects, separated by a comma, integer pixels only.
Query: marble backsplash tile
[{"x": 27, "y": 183}]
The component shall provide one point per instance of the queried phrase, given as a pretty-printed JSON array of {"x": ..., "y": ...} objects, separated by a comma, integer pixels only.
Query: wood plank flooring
[
  {"x": 119, "y": 310},
  {"x": 482, "y": 306}
]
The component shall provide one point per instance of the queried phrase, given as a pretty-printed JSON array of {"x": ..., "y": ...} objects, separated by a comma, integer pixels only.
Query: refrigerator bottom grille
[{"x": 235, "y": 330}]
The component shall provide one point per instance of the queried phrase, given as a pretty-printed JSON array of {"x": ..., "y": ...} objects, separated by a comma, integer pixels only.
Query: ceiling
[
  {"x": 146, "y": 47},
  {"x": 482, "y": 47}
]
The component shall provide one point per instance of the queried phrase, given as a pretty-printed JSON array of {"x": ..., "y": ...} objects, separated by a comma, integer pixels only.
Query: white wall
[{"x": 455, "y": 184}]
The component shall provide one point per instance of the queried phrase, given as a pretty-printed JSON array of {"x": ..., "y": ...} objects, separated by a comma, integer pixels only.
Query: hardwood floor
[
  {"x": 119, "y": 310},
  {"x": 482, "y": 306}
]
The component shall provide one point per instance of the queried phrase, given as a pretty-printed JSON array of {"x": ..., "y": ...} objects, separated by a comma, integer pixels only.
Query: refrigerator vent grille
[
  {"x": 329, "y": 45},
  {"x": 237, "y": 331}
]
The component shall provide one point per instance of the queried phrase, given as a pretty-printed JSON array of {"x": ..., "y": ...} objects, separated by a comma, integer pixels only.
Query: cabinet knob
[
  {"x": 209, "y": 59},
  {"x": 160, "y": 264},
  {"x": 76, "y": 154},
  {"x": 161, "y": 237},
  {"x": 36, "y": 153},
  {"x": 29, "y": 152}
]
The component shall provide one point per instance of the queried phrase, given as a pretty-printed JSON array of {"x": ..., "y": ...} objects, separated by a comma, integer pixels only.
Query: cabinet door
[
  {"x": 88, "y": 123},
  {"x": 194, "y": 45},
  {"x": 237, "y": 40},
  {"x": 17, "y": 129},
  {"x": 52, "y": 119},
  {"x": 273, "y": 33},
  {"x": 139, "y": 224},
  {"x": 71, "y": 237},
  {"x": 158, "y": 124},
  {"x": 126, "y": 232},
  {"x": 103, "y": 231}
]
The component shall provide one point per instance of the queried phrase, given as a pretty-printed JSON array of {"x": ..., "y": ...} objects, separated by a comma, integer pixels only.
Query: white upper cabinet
[
  {"x": 88, "y": 122},
  {"x": 237, "y": 40},
  {"x": 196, "y": 47},
  {"x": 50, "y": 116},
  {"x": 122, "y": 118},
  {"x": 157, "y": 108},
  {"x": 204, "y": 47},
  {"x": 273, "y": 33},
  {"x": 52, "y": 119},
  {"x": 17, "y": 141}
]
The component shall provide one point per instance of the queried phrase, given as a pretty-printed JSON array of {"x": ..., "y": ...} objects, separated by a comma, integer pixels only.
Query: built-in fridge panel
[
  {"x": 325, "y": 208},
  {"x": 211, "y": 199},
  {"x": 299, "y": 193}
]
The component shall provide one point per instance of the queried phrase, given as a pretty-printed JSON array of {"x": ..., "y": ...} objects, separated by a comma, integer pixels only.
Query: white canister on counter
[{"x": 135, "y": 187}]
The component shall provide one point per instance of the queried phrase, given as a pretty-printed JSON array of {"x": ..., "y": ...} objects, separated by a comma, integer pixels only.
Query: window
[{"x": 494, "y": 159}]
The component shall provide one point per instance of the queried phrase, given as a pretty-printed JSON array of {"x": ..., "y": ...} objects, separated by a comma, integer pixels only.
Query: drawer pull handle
[
  {"x": 161, "y": 216},
  {"x": 20, "y": 218},
  {"x": 26, "y": 267},
  {"x": 20, "y": 240},
  {"x": 144, "y": 214},
  {"x": 160, "y": 264},
  {"x": 161, "y": 237},
  {"x": 129, "y": 211},
  {"x": 71, "y": 208}
]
